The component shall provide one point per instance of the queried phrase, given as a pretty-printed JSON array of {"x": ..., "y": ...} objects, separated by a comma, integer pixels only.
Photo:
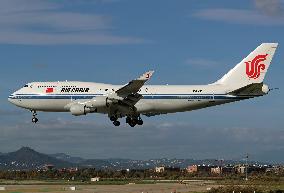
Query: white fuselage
[{"x": 157, "y": 99}]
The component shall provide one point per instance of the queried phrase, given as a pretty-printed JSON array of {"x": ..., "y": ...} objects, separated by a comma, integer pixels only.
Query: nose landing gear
[{"x": 34, "y": 119}]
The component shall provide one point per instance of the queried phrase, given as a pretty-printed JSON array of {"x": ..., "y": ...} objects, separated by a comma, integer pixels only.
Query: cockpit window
[{"x": 26, "y": 85}]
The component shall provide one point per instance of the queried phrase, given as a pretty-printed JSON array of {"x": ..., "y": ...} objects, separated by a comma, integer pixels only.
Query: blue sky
[{"x": 114, "y": 41}]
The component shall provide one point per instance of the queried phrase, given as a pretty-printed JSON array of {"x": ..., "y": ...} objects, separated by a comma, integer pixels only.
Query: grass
[
  {"x": 263, "y": 184},
  {"x": 65, "y": 182}
]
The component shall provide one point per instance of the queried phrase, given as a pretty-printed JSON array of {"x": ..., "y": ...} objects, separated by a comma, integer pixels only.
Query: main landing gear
[
  {"x": 114, "y": 120},
  {"x": 34, "y": 119},
  {"x": 134, "y": 121}
]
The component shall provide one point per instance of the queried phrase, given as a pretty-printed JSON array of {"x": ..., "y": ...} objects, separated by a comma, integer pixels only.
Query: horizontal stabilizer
[{"x": 255, "y": 89}]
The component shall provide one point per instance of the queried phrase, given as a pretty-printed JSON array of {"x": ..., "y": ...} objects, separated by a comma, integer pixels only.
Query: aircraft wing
[
  {"x": 126, "y": 95},
  {"x": 134, "y": 86},
  {"x": 129, "y": 93}
]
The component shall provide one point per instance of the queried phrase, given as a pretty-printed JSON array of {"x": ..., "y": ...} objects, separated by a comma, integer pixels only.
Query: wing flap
[{"x": 132, "y": 99}]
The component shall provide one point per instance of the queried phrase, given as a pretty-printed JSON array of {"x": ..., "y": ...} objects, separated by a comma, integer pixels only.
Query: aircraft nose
[{"x": 11, "y": 98}]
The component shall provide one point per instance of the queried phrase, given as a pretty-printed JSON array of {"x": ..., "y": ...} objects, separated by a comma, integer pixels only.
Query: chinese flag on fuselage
[{"x": 49, "y": 90}]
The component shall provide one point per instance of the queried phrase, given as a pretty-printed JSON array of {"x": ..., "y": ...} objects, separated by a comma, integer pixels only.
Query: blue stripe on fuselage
[{"x": 146, "y": 96}]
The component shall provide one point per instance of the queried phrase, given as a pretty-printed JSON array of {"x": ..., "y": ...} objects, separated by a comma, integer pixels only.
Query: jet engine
[
  {"x": 97, "y": 104},
  {"x": 79, "y": 109},
  {"x": 265, "y": 89}
]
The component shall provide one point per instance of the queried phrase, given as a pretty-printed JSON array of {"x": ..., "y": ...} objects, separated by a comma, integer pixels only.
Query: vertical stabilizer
[{"x": 251, "y": 69}]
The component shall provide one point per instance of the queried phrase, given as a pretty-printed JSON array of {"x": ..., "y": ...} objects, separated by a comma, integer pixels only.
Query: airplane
[{"x": 135, "y": 98}]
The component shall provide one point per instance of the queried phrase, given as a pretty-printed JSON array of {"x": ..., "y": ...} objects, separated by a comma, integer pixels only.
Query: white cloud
[
  {"x": 54, "y": 21},
  {"x": 152, "y": 140},
  {"x": 11, "y": 112},
  {"x": 40, "y": 22},
  {"x": 14, "y": 6},
  {"x": 269, "y": 7},
  {"x": 239, "y": 16},
  {"x": 36, "y": 38}
]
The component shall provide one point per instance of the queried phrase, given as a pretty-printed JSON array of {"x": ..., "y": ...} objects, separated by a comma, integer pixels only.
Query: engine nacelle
[
  {"x": 79, "y": 109},
  {"x": 100, "y": 102},
  {"x": 265, "y": 89},
  {"x": 94, "y": 105}
]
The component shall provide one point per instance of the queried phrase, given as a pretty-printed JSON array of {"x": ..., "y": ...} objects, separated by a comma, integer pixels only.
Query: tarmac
[{"x": 189, "y": 186}]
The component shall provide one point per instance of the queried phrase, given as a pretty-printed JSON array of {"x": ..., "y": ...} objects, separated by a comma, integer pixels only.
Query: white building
[
  {"x": 95, "y": 179},
  {"x": 159, "y": 169}
]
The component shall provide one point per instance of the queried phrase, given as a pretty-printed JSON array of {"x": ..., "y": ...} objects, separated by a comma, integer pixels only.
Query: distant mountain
[
  {"x": 68, "y": 158},
  {"x": 119, "y": 164},
  {"x": 27, "y": 158}
]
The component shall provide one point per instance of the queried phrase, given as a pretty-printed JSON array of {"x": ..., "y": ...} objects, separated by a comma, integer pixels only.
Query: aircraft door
[
  {"x": 149, "y": 93},
  {"x": 212, "y": 98}
]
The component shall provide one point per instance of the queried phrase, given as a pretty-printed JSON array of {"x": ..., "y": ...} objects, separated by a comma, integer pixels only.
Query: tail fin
[{"x": 251, "y": 69}]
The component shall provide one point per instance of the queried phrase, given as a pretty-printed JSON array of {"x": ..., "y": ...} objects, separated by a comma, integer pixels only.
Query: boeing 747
[{"x": 135, "y": 98}]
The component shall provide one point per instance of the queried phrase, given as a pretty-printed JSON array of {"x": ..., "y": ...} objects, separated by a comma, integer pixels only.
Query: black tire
[
  {"x": 113, "y": 118},
  {"x": 116, "y": 123},
  {"x": 34, "y": 120},
  {"x": 132, "y": 123},
  {"x": 128, "y": 119},
  {"x": 140, "y": 122}
]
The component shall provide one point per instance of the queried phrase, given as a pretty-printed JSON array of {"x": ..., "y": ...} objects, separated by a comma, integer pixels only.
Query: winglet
[{"x": 146, "y": 76}]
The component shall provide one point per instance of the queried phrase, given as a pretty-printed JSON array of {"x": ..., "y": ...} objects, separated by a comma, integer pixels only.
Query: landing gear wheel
[
  {"x": 128, "y": 119},
  {"x": 140, "y": 122},
  {"x": 116, "y": 123},
  {"x": 113, "y": 118},
  {"x": 34, "y": 120},
  {"x": 132, "y": 124}
]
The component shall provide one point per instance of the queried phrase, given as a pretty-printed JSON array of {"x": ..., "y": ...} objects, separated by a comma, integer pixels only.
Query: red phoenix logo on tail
[{"x": 254, "y": 67}]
